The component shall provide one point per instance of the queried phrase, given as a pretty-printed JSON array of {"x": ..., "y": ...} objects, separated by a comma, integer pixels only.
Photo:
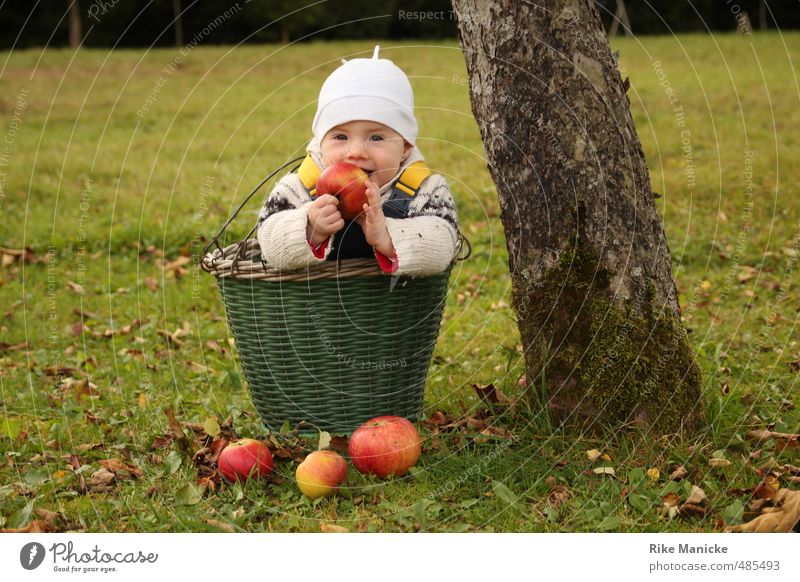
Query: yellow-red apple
[
  {"x": 245, "y": 458},
  {"x": 347, "y": 182},
  {"x": 321, "y": 473},
  {"x": 385, "y": 445}
]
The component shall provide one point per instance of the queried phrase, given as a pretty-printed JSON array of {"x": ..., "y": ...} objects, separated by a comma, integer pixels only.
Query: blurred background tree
[{"x": 144, "y": 23}]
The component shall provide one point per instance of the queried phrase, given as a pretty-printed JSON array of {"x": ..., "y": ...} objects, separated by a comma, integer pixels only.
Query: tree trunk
[
  {"x": 762, "y": 14},
  {"x": 620, "y": 17},
  {"x": 74, "y": 25},
  {"x": 592, "y": 282},
  {"x": 176, "y": 7}
]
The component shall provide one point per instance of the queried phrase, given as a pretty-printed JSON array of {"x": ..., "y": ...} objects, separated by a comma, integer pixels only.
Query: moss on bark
[{"x": 609, "y": 361}]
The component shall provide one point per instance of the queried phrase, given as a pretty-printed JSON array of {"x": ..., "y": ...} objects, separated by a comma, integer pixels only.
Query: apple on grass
[
  {"x": 321, "y": 473},
  {"x": 245, "y": 458},
  {"x": 347, "y": 182},
  {"x": 385, "y": 445}
]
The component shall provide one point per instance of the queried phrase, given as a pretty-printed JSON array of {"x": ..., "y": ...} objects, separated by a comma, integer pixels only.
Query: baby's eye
[
  {"x": 376, "y": 138},
  {"x": 340, "y": 136}
]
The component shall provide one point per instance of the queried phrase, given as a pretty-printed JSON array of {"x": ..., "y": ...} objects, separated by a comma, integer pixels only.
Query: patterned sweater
[{"x": 425, "y": 242}]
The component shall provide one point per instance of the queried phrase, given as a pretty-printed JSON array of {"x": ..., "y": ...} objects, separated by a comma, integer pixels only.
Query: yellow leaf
[
  {"x": 603, "y": 471},
  {"x": 593, "y": 455},
  {"x": 653, "y": 474}
]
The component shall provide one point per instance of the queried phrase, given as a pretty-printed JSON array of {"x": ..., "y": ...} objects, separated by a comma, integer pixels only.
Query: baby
[{"x": 365, "y": 116}]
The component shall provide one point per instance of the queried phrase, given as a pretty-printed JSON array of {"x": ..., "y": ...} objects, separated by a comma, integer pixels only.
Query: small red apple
[
  {"x": 245, "y": 458},
  {"x": 385, "y": 445},
  {"x": 348, "y": 182},
  {"x": 321, "y": 473}
]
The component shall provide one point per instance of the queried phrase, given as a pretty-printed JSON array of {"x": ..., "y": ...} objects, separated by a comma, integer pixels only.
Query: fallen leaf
[
  {"x": 330, "y": 528},
  {"x": 783, "y": 520},
  {"x": 696, "y": 496},
  {"x": 324, "y": 440},
  {"x": 211, "y": 427},
  {"x": 77, "y": 288},
  {"x": 491, "y": 394},
  {"x": 767, "y": 488},
  {"x": 101, "y": 480},
  {"x": 678, "y": 474},
  {"x": 11, "y": 256},
  {"x": 746, "y": 273},
  {"x": 121, "y": 469},
  {"x": 718, "y": 462},
  {"x": 653, "y": 474},
  {"x": 593, "y": 454},
  {"x": 603, "y": 471},
  {"x": 177, "y": 267}
]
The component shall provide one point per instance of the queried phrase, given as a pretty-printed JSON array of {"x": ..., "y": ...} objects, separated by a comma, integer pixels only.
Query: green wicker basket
[{"x": 331, "y": 346}]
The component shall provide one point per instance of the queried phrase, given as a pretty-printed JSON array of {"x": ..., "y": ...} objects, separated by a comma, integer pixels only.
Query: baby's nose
[{"x": 357, "y": 150}]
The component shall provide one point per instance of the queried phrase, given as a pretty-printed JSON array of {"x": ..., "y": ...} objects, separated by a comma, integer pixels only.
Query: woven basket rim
[{"x": 242, "y": 260}]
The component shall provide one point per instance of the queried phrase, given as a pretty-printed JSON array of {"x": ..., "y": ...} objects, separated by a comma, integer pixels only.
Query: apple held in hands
[
  {"x": 321, "y": 473},
  {"x": 385, "y": 445},
  {"x": 347, "y": 182},
  {"x": 245, "y": 458}
]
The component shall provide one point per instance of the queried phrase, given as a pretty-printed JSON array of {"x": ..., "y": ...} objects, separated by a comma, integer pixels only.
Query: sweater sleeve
[
  {"x": 426, "y": 242},
  {"x": 282, "y": 227}
]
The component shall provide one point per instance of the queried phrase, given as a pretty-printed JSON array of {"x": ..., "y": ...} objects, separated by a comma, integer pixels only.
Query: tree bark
[
  {"x": 176, "y": 8},
  {"x": 620, "y": 17},
  {"x": 74, "y": 25},
  {"x": 592, "y": 282}
]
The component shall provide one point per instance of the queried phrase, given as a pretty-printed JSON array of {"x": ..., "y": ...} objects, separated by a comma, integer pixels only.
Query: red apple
[
  {"x": 348, "y": 182},
  {"x": 321, "y": 473},
  {"x": 245, "y": 458},
  {"x": 386, "y": 445}
]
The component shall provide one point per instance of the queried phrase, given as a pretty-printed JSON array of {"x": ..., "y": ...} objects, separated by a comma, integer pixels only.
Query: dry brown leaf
[
  {"x": 121, "y": 469},
  {"x": 670, "y": 500},
  {"x": 746, "y": 273},
  {"x": 151, "y": 283},
  {"x": 678, "y": 474},
  {"x": 330, "y": 528},
  {"x": 718, "y": 462},
  {"x": 4, "y": 347},
  {"x": 491, "y": 394},
  {"x": 696, "y": 496},
  {"x": 593, "y": 454},
  {"x": 10, "y": 256},
  {"x": 767, "y": 488},
  {"x": 782, "y": 518},
  {"x": 177, "y": 267},
  {"x": 101, "y": 480}
]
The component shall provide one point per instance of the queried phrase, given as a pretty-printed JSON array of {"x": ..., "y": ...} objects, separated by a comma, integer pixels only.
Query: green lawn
[{"x": 108, "y": 158}]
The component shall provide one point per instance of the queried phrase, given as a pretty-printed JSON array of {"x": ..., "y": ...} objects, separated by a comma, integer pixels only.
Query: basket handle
[{"x": 215, "y": 240}]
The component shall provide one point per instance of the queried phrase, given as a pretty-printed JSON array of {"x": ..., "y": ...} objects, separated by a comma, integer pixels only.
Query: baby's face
[{"x": 371, "y": 146}]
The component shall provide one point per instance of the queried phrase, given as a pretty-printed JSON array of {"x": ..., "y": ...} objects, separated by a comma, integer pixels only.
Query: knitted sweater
[{"x": 425, "y": 242}]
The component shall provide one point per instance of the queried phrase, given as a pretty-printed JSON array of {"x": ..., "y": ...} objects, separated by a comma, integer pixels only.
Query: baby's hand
[
  {"x": 373, "y": 222},
  {"x": 324, "y": 219}
]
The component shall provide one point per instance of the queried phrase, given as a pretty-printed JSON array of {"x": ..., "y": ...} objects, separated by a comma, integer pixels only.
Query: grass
[{"x": 115, "y": 195}]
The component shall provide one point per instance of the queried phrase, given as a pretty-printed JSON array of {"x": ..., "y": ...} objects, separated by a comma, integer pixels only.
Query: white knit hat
[{"x": 369, "y": 90}]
